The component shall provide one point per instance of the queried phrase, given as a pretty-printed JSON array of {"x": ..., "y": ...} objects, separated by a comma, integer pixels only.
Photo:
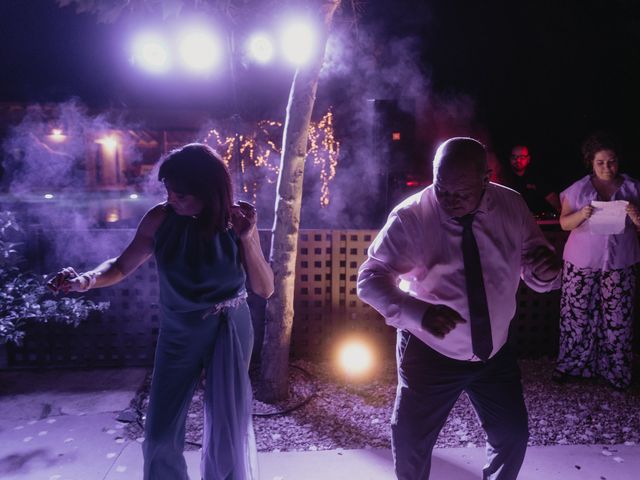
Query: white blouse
[{"x": 601, "y": 252}]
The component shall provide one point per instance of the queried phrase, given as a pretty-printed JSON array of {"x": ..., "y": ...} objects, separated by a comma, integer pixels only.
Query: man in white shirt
[{"x": 444, "y": 271}]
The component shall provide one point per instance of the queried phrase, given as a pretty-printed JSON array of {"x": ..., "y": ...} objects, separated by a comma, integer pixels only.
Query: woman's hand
[
  {"x": 570, "y": 218},
  {"x": 68, "y": 280},
  {"x": 634, "y": 214},
  {"x": 244, "y": 219},
  {"x": 586, "y": 212}
]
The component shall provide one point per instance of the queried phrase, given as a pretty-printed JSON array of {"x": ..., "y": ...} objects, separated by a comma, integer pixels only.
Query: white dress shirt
[{"x": 417, "y": 258}]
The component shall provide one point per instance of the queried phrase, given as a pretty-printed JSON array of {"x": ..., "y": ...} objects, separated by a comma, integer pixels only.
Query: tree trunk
[{"x": 274, "y": 362}]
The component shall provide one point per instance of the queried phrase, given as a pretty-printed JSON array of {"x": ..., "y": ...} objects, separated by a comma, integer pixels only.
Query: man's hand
[
  {"x": 544, "y": 264},
  {"x": 439, "y": 320}
]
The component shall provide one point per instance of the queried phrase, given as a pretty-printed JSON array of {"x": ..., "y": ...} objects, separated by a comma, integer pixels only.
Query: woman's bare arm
[
  {"x": 115, "y": 269},
  {"x": 570, "y": 219},
  {"x": 260, "y": 275}
]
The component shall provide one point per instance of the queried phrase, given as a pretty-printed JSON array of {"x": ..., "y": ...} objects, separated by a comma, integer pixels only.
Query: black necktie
[{"x": 478, "y": 310}]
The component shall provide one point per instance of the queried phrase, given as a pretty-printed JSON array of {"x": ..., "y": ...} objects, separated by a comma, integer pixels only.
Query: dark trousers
[{"x": 429, "y": 385}]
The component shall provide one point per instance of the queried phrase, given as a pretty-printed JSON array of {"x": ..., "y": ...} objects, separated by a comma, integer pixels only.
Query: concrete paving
[
  {"x": 569, "y": 462},
  {"x": 61, "y": 425}
]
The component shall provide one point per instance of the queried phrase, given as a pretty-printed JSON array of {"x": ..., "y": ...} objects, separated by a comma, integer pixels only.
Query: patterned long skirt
[{"x": 596, "y": 323}]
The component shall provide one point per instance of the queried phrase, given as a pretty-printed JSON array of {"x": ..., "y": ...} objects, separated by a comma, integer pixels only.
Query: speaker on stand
[{"x": 394, "y": 150}]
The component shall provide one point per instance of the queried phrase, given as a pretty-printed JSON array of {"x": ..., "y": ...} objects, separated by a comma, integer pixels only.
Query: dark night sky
[
  {"x": 51, "y": 54},
  {"x": 544, "y": 71},
  {"x": 55, "y": 54}
]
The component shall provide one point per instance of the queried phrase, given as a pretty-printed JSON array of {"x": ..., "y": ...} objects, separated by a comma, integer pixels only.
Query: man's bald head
[
  {"x": 461, "y": 153},
  {"x": 460, "y": 175}
]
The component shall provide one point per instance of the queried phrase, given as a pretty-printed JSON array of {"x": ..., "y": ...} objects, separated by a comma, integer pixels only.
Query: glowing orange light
[
  {"x": 112, "y": 216},
  {"x": 355, "y": 357},
  {"x": 108, "y": 142}
]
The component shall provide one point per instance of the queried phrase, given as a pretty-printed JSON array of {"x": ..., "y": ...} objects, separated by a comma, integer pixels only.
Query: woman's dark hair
[
  {"x": 595, "y": 143},
  {"x": 196, "y": 169}
]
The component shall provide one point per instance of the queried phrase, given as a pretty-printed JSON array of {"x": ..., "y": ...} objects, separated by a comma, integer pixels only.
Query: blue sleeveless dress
[{"x": 205, "y": 324}]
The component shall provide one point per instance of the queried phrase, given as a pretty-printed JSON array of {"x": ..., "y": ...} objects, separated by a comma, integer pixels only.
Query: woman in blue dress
[{"x": 205, "y": 248}]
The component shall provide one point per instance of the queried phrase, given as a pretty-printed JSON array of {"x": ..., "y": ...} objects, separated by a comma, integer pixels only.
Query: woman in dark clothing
[{"x": 205, "y": 247}]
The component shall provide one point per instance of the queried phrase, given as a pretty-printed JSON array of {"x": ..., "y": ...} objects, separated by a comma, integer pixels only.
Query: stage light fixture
[
  {"x": 151, "y": 53},
  {"x": 260, "y": 48},
  {"x": 200, "y": 50},
  {"x": 298, "y": 42}
]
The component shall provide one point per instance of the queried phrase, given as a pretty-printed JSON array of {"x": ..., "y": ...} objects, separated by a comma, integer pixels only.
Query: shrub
[{"x": 24, "y": 296}]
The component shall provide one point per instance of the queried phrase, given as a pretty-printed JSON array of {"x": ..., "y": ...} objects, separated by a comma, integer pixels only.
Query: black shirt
[{"x": 533, "y": 189}]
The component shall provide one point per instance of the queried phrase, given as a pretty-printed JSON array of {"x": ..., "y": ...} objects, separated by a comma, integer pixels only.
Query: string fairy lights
[
  {"x": 257, "y": 147},
  {"x": 259, "y": 154}
]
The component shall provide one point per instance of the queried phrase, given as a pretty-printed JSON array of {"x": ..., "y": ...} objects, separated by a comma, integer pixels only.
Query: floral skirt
[{"x": 596, "y": 323}]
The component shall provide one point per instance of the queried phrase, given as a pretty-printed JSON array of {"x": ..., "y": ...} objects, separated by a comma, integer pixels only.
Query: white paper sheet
[{"x": 608, "y": 218}]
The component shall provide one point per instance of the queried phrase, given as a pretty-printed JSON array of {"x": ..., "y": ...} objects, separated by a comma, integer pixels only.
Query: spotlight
[
  {"x": 355, "y": 357},
  {"x": 133, "y": 196},
  {"x": 200, "y": 50},
  {"x": 260, "y": 48},
  {"x": 298, "y": 42},
  {"x": 48, "y": 196},
  {"x": 151, "y": 52}
]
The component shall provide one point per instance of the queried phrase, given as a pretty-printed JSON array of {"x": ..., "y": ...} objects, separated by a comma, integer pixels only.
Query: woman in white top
[{"x": 599, "y": 274}]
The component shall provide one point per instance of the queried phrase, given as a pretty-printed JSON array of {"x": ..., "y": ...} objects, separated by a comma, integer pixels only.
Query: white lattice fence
[{"x": 327, "y": 308}]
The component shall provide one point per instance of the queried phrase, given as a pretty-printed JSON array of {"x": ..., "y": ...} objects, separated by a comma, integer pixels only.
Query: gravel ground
[{"x": 342, "y": 414}]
